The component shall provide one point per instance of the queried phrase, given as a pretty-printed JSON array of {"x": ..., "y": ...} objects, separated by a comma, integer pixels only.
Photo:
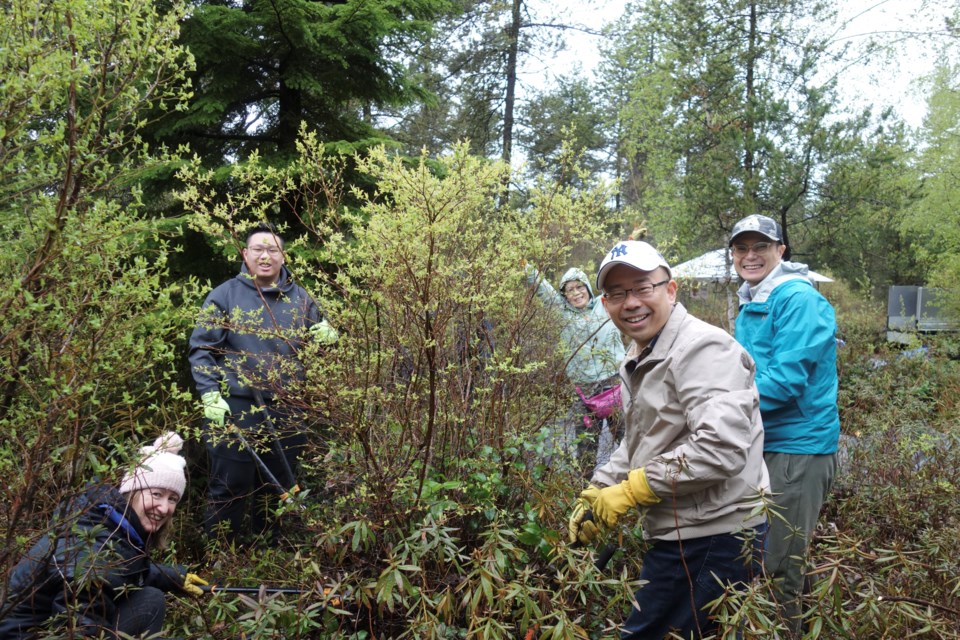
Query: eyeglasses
[
  {"x": 641, "y": 291},
  {"x": 259, "y": 251},
  {"x": 756, "y": 247},
  {"x": 573, "y": 288}
]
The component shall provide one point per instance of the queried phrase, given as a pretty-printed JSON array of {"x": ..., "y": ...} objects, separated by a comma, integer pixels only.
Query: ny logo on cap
[{"x": 619, "y": 250}]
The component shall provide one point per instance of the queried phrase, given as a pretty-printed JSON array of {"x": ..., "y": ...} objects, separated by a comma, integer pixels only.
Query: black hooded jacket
[
  {"x": 245, "y": 333},
  {"x": 95, "y": 548}
]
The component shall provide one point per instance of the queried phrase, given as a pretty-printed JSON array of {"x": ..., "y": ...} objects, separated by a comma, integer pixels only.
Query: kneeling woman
[{"x": 91, "y": 575}]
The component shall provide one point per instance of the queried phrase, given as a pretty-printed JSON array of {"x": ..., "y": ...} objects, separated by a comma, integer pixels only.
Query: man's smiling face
[
  {"x": 264, "y": 258},
  {"x": 755, "y": 256},
  {"x": 639, "y": 317}
]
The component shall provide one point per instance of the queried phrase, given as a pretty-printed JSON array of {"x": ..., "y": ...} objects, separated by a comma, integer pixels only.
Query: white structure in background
[{"x": 717, "y": 266}]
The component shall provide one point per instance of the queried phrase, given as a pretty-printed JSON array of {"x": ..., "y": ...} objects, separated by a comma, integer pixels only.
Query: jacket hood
[
  {"x": 284, "y": 280},
  {"x": 93, "y": 494},
  {"x": 781, "y": 273},
  {"x": 90, "y": 506},
  {"x": 574, "y": 274}
]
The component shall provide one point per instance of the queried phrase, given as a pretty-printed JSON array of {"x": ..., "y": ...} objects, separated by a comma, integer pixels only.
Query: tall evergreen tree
[
  {"x": 863, "y": 199},
  {"x": 476, "y": 60},
  {"x": 567, "y": 114},
  {"x": 264, "y": 67}
]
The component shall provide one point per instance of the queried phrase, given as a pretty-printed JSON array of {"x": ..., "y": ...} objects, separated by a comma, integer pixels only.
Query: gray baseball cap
[{"x": 760, "y": 224}]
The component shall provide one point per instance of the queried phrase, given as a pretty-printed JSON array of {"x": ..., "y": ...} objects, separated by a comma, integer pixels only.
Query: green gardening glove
[
  {"x": 324, "y": 333},
  {"x": 215, "y": 408}
]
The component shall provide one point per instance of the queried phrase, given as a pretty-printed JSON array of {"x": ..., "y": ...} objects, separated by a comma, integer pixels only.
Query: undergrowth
[
  {"x": 435, "y": 504},
  {"x": 479, "y": 552}
]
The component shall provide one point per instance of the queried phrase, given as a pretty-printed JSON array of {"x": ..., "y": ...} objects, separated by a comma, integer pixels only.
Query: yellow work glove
[
  {"x": 613, "y": 502},
  {"x": 580, "y": 528},
  {"x": 192, "y": 583},
  {"x": 215, "y": 408},
  {"x": 324, "y": 333}
]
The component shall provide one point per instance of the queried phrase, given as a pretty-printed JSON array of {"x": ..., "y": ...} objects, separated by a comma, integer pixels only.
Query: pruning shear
[{"x": 605, "y": 554}]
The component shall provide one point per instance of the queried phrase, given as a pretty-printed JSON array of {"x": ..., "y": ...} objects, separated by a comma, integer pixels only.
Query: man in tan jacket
[{"x": 692, "y": 456}]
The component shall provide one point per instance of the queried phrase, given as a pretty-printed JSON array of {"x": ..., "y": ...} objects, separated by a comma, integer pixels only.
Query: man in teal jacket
[{"x": 790, "y": 330}]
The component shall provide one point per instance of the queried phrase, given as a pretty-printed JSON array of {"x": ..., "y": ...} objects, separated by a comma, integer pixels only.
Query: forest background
[{"x": 138, "y": 140}]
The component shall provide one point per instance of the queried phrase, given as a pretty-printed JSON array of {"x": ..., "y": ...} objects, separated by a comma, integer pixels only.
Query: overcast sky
[{"x": 881, "y": 83}]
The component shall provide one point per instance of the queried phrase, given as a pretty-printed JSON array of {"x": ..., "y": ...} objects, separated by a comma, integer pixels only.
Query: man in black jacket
[{"x": 243, "y": 353}]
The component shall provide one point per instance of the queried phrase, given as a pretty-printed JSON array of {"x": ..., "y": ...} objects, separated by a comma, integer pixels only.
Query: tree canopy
[{"x": 263, "y": 68}]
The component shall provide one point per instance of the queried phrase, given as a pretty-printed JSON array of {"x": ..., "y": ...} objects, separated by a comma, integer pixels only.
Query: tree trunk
[
  {"x": 513, "y": 47},
  {"x": 748, "y": 161}
]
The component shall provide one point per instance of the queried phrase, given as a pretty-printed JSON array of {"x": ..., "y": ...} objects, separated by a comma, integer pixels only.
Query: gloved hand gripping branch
[
  {"x": 215, "y": 408},
  {"x": 582, "y": 527},
  {"x": 606, "y": 505}
]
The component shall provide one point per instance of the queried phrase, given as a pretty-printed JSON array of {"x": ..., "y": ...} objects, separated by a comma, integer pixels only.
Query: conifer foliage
[{"x": 263, "y": 68}]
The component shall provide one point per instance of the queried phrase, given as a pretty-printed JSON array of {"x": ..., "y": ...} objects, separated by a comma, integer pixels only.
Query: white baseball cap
[{"x": 633, "y": 253}]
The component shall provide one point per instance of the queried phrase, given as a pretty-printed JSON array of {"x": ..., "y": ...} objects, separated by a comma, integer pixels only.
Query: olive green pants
[{"x": 800, "y": 484}]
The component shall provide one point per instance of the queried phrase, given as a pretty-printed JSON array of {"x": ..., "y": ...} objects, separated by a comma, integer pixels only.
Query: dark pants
[
  {"x": 141, "y": 612},
  {"x": 237, "y": 487},
  {"x": 682, "y": 578}
]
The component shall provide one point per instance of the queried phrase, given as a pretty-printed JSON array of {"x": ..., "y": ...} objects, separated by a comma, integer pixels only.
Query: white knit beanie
[{"x": 160, "y": 467}]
